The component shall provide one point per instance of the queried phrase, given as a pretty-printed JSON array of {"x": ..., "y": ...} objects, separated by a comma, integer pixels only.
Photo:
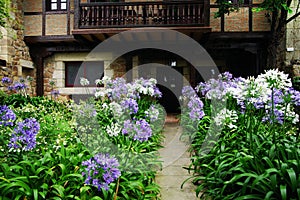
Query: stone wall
[
  {"x": 54, "y": 70},
  {"x": 293, "y": 42},
  {"x": 13, "y": 48}
]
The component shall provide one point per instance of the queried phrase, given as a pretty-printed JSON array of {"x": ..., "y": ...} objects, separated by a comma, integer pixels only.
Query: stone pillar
[{"x": 135, "y": 71}]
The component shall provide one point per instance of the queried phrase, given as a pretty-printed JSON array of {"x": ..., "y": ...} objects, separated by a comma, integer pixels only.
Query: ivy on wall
[{"x": 4, "y": 13}]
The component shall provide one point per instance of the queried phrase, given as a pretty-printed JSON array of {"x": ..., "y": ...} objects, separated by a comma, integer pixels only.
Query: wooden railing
[{"x": 141, "y": 14}]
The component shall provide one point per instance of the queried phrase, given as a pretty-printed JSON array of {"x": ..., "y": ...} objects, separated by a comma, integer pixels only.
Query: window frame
[
  {"x": 79, "y": 64},
  {"x": 58, "y": 4}
]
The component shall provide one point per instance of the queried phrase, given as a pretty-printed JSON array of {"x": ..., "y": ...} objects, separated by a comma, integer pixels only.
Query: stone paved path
[{"x": 175, "y": 157}]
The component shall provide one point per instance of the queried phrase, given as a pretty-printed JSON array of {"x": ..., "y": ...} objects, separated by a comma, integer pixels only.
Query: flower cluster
[
  {"x": 101, "y": 170},
  {"x": 113, "y": 129},
  {"x": 152, "y": 113},
  {"x": 146, "y": 87},
  {"x": 139, "y": 130},
  {"x": 130, "y": 105},
  {"x": 55, "y": 93},
  {"x": 270, "y": 91},
  {"x": 226, "y": 118},
  {"x": 7, "y": 116},
  {"x": 117, "y": 89},
  {"x": 18, "y": 86},
  {"x": 194, "y": 103},
  {"x": 24, "y": 135},
  {"x": 6, "y": 80},
  {"x": 274, "y": 79},
  {"x": 84, "y": 81},
  {"x": 216, "y": 88}
]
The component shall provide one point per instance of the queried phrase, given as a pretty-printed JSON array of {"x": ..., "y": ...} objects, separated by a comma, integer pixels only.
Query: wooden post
[{"x": 76, "y": 13}]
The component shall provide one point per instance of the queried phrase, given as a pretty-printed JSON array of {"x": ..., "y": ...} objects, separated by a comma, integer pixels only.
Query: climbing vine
[{"x": 4, "y": 13}]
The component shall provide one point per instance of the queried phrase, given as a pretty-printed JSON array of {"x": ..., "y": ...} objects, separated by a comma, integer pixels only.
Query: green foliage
[
  {"x": 226, "y": 7},
  {"x": 53, "y": 170},
  {"x": 255, "y": 160},
  {"x": 4, "y": 13}
]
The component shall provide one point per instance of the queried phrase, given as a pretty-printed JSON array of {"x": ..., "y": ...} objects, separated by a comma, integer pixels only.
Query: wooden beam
[
  {"x": 44, "y": 18},
  {"x": 47, "y": 39}
]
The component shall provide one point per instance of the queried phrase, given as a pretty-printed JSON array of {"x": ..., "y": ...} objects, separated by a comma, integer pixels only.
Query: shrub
[{"x": 255, "y": 155}]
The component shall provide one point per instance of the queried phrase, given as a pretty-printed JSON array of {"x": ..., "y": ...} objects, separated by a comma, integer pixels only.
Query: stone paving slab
[{"x": 174, "y": 156}]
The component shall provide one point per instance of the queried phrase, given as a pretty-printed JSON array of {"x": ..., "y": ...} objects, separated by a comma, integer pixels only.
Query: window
[
  {"x": 56, "y": 5},
  {"x": 91, "y": 70}
]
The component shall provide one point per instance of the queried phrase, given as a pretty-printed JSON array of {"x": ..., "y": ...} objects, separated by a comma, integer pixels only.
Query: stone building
[
  {"x": 293, "y": 42},
  {"x": 15, "y": 59},
  {"x": 61, "y": 34}
]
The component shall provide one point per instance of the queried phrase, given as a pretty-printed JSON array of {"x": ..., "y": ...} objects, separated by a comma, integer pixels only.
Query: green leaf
[
  {"x": 59, "y": 190},
  {"x": 96, "y": 198},
  {"x": 283, "y": 192},
  {"x": 35, "y": 194},
  {"x": 269, "y": 195},
  {"x": 293, "y": 179},
  {"x": 18, "y": 184}
]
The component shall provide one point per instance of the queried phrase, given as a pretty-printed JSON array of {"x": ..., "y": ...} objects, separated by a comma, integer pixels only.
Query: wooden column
[{"x": 38, "y": 55}]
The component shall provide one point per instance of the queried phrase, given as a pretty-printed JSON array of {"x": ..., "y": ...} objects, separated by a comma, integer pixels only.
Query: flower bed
[
  {"x": 102, "y": 148},
  {"x": 244, "y": 137}
]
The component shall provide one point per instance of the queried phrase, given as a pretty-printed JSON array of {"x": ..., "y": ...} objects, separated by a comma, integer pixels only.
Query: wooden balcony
[{"x": 101, "y": 15}]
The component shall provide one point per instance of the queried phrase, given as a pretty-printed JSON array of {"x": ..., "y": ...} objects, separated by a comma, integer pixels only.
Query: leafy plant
[{"x": 256, "y": 155}]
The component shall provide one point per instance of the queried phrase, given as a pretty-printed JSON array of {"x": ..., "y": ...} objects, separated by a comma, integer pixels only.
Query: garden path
[{"x": 174, "y": 156}]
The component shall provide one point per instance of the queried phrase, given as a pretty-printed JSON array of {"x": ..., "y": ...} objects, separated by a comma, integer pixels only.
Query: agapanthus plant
[
  {"x": 24, "y": 135},
  {"x": 101, "y": 170},
  {"x": 270, "y": 92},
  {"x": 6, "y": 80},
  {"x": 139, "y": 130},
  {"x": 193, "y": 104},
  {"x": 152, "y": 113},
  {"x": 7, "y": 116},
  {"x": 117, "y": 89}
]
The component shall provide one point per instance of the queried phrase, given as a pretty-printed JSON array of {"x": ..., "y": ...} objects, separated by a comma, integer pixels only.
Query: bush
[
  {"x": 49, "y": 149},
  {"x": 256, "y": 153}
]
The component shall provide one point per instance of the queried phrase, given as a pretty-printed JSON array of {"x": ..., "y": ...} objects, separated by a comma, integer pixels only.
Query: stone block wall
[
  {"x": 13, "y": 48},
  {"x": 293, "y": 42},
  {"x": 54, "y": 70}
]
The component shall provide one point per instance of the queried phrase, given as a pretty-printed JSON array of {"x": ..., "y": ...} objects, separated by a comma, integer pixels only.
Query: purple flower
[
  {"x": 101, "y": 170},
  {"x": 24, "y": 135},
  {"x": 195, "y": 106},
  {"x": 55, "y": 93},
  {"x": 19, "y": 86},
  {"x": 139, "y": 130},
  {"x": 152, "y": 113},
  {"x": 188, "y": 91},
  {"x": 278, "y": 116},
  {"x": 117, "y": 89},
  {"x": 130, "y": 105},
  {"x": 6, "y": 80},
  {"x": 7, "y": 116},
  {"x": 294, "y": 95}
]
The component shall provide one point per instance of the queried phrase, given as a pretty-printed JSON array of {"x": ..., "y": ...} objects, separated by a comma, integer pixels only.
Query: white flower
[
  {"x": 153, "y": 81},
  {"x": 84, "y": 81},
  {"x": 105, "y": 79},
  {"x": 274, "y": 79},
  {"x": 116, "y": 109},
  {"x": 98, "y": 82},
  {"x": 114, "y": 129},
  {"x": 226, "y": 117},
  {"x": 100, "y": 93}
]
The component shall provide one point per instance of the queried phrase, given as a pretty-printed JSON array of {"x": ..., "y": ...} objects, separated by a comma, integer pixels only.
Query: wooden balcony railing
[{"x": 141, "y": 14}]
